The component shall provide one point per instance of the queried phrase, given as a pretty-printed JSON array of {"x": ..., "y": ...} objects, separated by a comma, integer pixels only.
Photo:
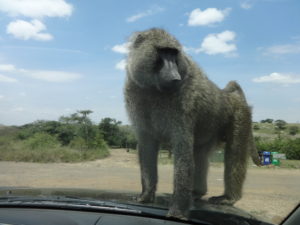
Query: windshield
[{"x": 72, "y": 117}]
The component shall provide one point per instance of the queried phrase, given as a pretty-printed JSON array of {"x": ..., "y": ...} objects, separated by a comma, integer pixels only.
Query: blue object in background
[{"x": 267, "y": 158}]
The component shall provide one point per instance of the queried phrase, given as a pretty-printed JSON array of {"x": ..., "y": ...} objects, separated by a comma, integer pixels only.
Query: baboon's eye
[{"x": 158, "y": 64}]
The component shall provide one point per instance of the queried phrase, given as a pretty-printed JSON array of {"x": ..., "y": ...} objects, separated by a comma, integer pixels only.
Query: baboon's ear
[{"x": 138, "y": 40}]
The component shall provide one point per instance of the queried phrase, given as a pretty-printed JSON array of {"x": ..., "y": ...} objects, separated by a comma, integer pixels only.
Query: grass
[
  {"x": 292, "y": 164},
  {"x": 18, "y": 151}
]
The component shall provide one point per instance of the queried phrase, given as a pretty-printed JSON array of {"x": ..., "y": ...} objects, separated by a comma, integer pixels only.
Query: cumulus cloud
[
  {"x": 45, "y": 75},
  {"x": 24, "y": 30},
  {"x": 220, "y": 43},
  {"x": 207, "y": 17},
  {"x": 7, "y": 67},
  {"x": 7, "y": 79},
  {"x": 122, "y": 48},
  {"x": 52, "y": 75},
  {"x": 283, "y": 49},
  {"x": 149, "y": 12},
  {"x": 278, "y": 78},
  {"x": 121, "y": 65},
  {"x": 36, "y": 8},
  {"x": 247, "y": 4}
]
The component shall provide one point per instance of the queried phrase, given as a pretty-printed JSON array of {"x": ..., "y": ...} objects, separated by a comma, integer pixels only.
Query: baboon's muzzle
[{"x": 169, "y": 77}]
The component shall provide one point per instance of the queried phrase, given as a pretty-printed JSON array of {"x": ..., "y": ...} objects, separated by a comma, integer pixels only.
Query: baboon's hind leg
[{"x": 236, "y": 158}]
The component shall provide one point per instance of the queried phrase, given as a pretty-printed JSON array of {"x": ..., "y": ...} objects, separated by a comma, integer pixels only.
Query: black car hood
[{"x": 204, "y": 211}]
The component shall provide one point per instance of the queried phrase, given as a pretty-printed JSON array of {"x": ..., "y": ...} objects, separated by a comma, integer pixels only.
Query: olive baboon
[{"x": 168, "y": 97}]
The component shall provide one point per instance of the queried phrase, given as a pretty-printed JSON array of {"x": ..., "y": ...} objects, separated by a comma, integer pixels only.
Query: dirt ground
[{"x": 270, "y": 193}]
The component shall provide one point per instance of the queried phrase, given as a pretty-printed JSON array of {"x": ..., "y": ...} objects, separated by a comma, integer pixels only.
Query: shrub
[
  {"x": 41, "y": 141},
  {"x": 293, "y": 130},
  {"x": 290, "y": 147}
]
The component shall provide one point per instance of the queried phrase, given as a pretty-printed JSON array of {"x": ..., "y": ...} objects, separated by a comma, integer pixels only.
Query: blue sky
[{"x": 59, "y": 56}]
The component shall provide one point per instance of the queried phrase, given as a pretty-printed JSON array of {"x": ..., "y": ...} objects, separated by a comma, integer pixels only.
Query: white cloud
[
  {"x": 52, "y": 75},
  {"x": 45, "y": 75},
  {"x": 278, "y": 78},
  {"x": 283, "y": 49},
  {"x": 7, "y": 79},
  {"x": 28, "y": 30},
  {"x": 1, "y": 97},
  {"x": 123, "y": 48},
  {"x": 121, "y": 65},
  {"x": 7, "y": 67},
  {"x": 206, "y": 17},
  {"x": 218, "y": 43},
  {"x": 36, "y": 8},
  {"x": 149, "y": 12},
  {"x": 18, "y": 109},
  {"x": 247, "y": 4}
]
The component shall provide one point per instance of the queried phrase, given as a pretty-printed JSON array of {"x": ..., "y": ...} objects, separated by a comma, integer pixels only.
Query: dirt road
[{"x": 270, "y": 193}]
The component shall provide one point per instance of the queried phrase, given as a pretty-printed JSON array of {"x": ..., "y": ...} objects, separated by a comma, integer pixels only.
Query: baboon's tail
[
  {"x": 253, "y": 151},
  {"x": 234, "y": 87}
]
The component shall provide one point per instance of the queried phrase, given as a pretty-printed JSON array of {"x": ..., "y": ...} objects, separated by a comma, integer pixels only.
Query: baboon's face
[{"x": 156, "y": 61}]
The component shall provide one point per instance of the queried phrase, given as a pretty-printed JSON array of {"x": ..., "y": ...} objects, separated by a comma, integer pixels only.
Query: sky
[{"x": 60, "y": 56}]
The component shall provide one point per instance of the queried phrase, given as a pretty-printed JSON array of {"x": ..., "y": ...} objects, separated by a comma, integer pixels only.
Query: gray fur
[{"x": 195, "y": 117}]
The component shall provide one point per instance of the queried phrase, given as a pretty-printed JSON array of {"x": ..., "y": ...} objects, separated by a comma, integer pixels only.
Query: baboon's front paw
[
  {"x": 146, "y": 198},
  {"x": 222, "y": 200},
  {"x": 175, "y": 213}
]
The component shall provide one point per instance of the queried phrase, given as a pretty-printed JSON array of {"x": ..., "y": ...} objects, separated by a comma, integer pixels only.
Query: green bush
[
  {"x": 287, "y": 146},
  {"x": 292, "y": 149},
  {"x": 41, "y": 141},
  {"x": 78, "y": 143},
  {"x": 293, "y": 130}
]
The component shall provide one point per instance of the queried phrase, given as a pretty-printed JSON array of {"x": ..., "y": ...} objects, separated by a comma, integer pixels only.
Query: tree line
[{"x": 78, "y": 131}]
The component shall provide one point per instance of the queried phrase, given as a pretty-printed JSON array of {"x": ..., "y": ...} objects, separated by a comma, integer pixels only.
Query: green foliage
[
  {"x": 256, "y": 126},
  {"x": 41, "y": 141},
  {"x": 128, "y": 138},
  {"x": 292, "y": 149},
  {"x": 58, "y": 154},
  {"x": 267, "y": 121},
  {"x": 73, "y": 138},
  {"x": 78, "y": 143},
  {"x": 293, "y": 130},
  {"x": 280, "y": 124},
  {"x": 287, "y": 146},
  {"x": 111, "y": 132}
]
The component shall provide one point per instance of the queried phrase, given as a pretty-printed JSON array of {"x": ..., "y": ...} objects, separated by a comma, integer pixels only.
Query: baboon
[{"x": 169, "y": 98}]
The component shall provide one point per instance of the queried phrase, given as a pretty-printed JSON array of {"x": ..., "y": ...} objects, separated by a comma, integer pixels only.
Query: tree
[
  {"x": 86, "y": 135},
  {"x": 267, "y": 121},
  {"x": 293, "y": 130},
  {"x": 128, "y": 137},
  {"x": 280, "y": 124},
  {"x": 256, "y": 126},
  {"x": 111, "y": 131}
]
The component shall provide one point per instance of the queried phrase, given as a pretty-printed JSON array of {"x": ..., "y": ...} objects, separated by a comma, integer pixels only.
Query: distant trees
[
  {"x": 267, "y": 121},
  {"x": 116, "y": 134},
  {"x": 280, "y": 124},
  {"x": 76, "y": 130},
  {"x": 293, "y": 130}
]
